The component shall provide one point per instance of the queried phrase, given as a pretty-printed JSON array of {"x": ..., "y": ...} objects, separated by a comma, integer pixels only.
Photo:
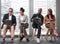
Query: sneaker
[
  {"x": 38, "y": 40},
  {"x": 51, "y": 41}
]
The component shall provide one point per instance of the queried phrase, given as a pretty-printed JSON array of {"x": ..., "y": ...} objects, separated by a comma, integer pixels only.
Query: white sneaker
[{"x": 38, "y": 40}]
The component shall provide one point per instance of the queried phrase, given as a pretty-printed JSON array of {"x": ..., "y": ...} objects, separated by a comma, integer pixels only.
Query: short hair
[
  {"x": 22, "y": 9},
  {"x": 40, "y": 9},
  {"x": 11, "y": 9}
]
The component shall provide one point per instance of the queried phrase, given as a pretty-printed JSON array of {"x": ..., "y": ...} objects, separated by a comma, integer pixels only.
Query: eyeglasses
[{"x": 10, "y": 11}]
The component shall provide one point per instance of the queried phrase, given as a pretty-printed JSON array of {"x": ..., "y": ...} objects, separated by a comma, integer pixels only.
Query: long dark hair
[{"x": 52, "y": 16}]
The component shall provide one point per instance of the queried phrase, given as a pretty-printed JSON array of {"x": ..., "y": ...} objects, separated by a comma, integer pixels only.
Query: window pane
[{"x": 40, "y": 4}]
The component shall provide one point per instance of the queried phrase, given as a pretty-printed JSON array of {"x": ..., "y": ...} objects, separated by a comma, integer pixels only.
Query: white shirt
[
  {"x": 22, "y": 18},
  {"x": 10, "y": 17}
]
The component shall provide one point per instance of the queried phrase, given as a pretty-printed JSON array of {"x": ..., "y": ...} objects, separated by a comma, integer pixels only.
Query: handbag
[
  {"x": 8, "y": 22},
  {"x": 47, "y": 25},
  {"x": 26, "y": 25}
]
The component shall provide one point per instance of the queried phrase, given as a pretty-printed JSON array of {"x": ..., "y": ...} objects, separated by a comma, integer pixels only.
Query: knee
[
  {"x": 12, "y": 27},
  {"x": 4, "y": 26}
]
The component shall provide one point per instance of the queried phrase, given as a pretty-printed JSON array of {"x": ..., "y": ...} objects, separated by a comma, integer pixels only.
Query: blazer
[{"x": 6, "y": 16}]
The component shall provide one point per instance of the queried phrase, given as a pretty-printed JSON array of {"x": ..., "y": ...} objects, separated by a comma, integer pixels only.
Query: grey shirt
[{"x": 22, "y": 19}]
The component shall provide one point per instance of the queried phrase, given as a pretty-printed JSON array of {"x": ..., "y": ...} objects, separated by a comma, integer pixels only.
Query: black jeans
[{"x": 39, "y": 28}]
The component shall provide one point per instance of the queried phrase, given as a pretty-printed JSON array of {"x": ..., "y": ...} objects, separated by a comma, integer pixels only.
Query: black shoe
[
  {"x": 51, "y": 41},
  {"x": 3, "y": 41},
  {"x": 12, "y": 40},
  {"x": 22, "y": 38},
  {"x": 27, "y": 40}
]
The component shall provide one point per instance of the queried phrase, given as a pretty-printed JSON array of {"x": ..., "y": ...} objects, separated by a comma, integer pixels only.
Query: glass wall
[{"x": 16, "y": 4}]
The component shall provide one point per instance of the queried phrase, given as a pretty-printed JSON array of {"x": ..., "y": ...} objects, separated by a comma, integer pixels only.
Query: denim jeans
[{"x": 39, "y": 28}]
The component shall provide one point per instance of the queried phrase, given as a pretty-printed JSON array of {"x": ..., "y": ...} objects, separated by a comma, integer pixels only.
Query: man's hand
[
  {"x": 32, "y": 20},
  {"x": 14, "y": 24},
  {"x": 7, "y": 19}
]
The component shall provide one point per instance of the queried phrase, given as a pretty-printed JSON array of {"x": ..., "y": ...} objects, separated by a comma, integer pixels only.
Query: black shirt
[{"x": 39, "y": 16}]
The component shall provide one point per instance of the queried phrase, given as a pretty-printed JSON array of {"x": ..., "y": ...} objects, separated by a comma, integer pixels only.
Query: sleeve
[
  {"x": 15, "y": 21},
  {"x": 32, "y": 17},
  {"x": 18, "y": 19},
  {"x": 54, "y": 19},
  {"x": 42, "y": 19},
  {"x": 26, "y": 19},
  {"x": 4, "y": 18}
]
